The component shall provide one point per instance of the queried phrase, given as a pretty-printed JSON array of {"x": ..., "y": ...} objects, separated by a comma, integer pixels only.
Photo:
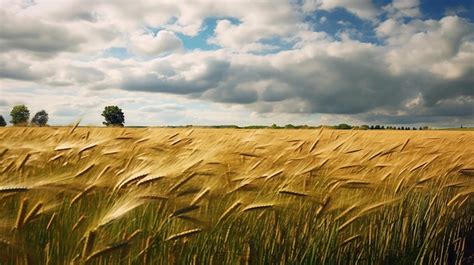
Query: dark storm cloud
[
  {"x": 214, "y": 72},
  {"x": 448, "y": 89},
  {"x": 343, "y": 85}
]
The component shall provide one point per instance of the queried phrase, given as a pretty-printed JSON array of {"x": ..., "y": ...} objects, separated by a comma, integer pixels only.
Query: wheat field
[{"x": 76, "y": 195}]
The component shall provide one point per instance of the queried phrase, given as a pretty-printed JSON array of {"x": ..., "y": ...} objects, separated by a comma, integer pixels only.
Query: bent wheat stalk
[{"x": 184, "y": 234}]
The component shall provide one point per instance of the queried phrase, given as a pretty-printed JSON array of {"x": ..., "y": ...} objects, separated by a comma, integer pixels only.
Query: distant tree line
[
  {"x": 341, "y": 126},
  {"x": 344, "y": 126}
]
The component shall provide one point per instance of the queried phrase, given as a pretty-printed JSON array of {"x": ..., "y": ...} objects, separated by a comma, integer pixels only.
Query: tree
[
  {"x": 40, "y": 118},
  {"x": 113, "y": 116},
  {"x": 343, "y": 126},
  {"x": 20, "y": 115},
  {"x": 2, "y": 121},
  {"x": 364, "y": 127},
  {"x": 290, "y": 126}
]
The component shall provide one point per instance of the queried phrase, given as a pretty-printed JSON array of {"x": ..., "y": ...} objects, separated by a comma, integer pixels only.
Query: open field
[{"x": 226, "y": 196}]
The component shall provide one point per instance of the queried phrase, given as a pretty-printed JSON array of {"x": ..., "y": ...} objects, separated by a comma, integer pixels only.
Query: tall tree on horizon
[
  {"x": 41, "y": 118},
  {"x": 113, "y": 116},
  {"x": 20, "y": 115}
]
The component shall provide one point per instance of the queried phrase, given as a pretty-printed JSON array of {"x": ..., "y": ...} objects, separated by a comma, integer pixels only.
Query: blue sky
[{"x": 240, "y": 62}]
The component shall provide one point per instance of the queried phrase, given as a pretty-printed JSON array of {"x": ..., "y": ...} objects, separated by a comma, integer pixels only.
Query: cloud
[
  {"x": 67, "y": 112},
  {"x": 364, "y": 9},
  {"x": 28, "y": 34},
  {"x": 163, "y": 108},
  {"x": 323, "y": 76},
  {"x": 251, "y": 29},
  {"x": 443, "y": 47},
  {"x": 70, "y": 75},
  {"x": 403, "y": 8},
  {"x": 17, "y": 70},
  {"x": 191, "y": 76},
  {"x": 148, "y": 44}
]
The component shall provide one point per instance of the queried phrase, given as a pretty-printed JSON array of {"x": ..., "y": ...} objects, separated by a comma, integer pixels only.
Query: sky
[{"x": 400, "y": 62}]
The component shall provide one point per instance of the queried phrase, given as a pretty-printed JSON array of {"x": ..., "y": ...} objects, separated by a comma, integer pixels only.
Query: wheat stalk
[
  {"x": 89, "y": 243},
  {"x": 107, "y": 250},
  {"x": 229, "y": 211},
  {"x": 184, "y": 234},
  {"x": 33, "y": 213}
]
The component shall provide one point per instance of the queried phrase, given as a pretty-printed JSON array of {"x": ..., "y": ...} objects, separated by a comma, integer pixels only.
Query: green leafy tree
[
  {"x": 2, "y": 121},
  {"x": 113, "y": 116},
  {"x": 20, "y": 115},
  {"x": 40, "y": 118},
  {"x": 343, "y": 126}
]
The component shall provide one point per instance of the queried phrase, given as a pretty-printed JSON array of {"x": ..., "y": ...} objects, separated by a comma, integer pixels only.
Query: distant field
[{"x": 235, "y": 196}]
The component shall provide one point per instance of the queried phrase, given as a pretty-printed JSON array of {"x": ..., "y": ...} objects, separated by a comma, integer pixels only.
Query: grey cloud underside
[
  {"x": 17, "y": 71},
  {"x": 84, "y": 75},
  {"x": 23, "y": 33},
  {"x": 443, "y": 90},
  {"x": 216, "y": 71}
]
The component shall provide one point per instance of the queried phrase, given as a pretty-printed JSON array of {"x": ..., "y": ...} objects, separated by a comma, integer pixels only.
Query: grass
[{"x": 225, "y": 196}]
